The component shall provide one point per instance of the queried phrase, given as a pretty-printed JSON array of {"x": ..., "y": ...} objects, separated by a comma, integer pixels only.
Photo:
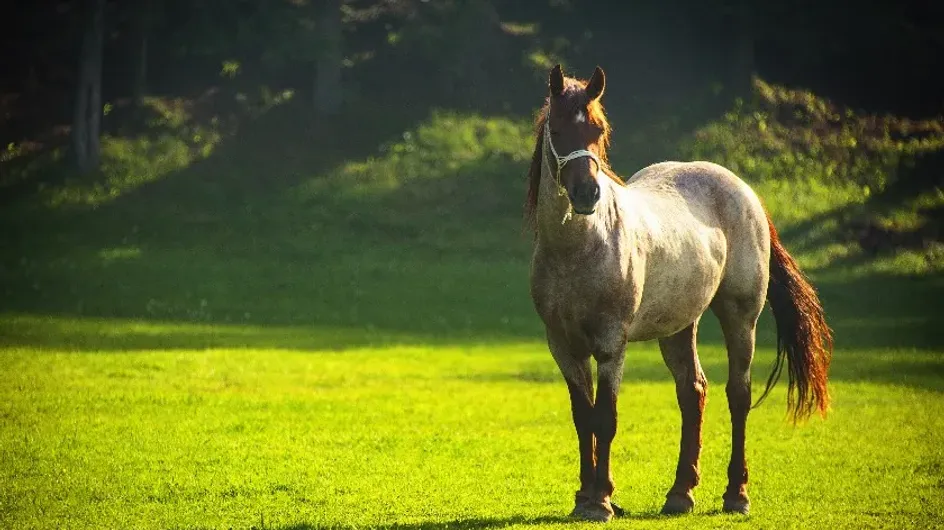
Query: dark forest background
[
  {"x": 488, "y": 55},
  {"x": 99, "y": 97}
]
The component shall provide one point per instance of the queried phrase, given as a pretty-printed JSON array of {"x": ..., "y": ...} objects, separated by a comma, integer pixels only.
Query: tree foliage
[
  {"x": 786, "y": 134},
  {"x": 877, "y": 60}
]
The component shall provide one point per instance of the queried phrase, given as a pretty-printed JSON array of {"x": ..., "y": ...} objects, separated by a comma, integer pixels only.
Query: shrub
[{"x": 787, "y": 134}]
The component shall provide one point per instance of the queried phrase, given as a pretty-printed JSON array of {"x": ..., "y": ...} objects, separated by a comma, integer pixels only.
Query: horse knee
[
  {"x": 604, "y": 422},
  {"x": 581, "y": 408},
  {"x": 739, "y": 396},
  {"x": 605, "y": 427},
  {"x": 584, "y": 422},
  {"x": 604, "y": 410}
]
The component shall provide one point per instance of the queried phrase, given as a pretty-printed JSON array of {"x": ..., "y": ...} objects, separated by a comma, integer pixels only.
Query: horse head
[{"x": 576, "y": 135}]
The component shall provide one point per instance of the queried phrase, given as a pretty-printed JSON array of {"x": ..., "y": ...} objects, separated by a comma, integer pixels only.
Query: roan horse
[{"x": 618, "y": 262}]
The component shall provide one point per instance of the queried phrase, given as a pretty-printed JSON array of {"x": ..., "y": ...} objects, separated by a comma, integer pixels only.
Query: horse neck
[{"x": 558, "y": 227}]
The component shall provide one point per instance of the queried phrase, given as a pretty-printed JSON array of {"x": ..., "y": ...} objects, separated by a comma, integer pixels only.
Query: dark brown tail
[{"x": 803, "y": 336}]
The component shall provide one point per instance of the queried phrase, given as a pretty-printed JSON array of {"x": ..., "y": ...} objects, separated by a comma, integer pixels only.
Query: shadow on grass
[
  {"x": 457, "y": 524},
  {"x": 918, "y": 369},
  {"x": 98, "y": 335},
  {"x": 528, "y": 360},
  {"x": 475, "y": 523},
  {"x": 190, "y": 301}
]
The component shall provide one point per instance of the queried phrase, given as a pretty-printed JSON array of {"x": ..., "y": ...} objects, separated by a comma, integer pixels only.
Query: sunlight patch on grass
[
  {"x": 180, "y": 131},
  {"x": 433, "y": 435},
  {"x": 110, "y": 334},
  {"x": 913, "y": 213},
  {"x": 928, "y": 261},
  {"x": 428, "y": 186},
  {"x": 119, "y": 253},
  {"x": 436, "y": 149},
  {"x": 792, "y": 200},
  {"x": 519, "y": 28},
  {"x": 130, "y": 163}
]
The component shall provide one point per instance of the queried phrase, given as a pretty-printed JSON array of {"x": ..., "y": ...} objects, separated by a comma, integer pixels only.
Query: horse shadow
[
  {"x": 473, "y": 523},
  {"x": 483, "y": 523}
]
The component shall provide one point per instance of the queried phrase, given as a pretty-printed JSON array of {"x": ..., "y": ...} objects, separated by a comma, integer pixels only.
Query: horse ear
[
  {"x": 555, "y": 81},
  {"x": 596, "y": 85}
]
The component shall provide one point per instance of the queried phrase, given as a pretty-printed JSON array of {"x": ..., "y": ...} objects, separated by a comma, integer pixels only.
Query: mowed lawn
[
  {"x": 219, "y": 351},
  {"x": 100, "y": 430}
]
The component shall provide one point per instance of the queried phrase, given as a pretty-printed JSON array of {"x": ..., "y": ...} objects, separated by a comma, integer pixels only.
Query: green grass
[
  {"x": 276, "y": 337},
  {"x": 465, "y": 436}
]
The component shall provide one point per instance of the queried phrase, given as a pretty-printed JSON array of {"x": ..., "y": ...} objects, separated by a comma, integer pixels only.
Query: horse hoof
[
  {"x": 677, "y": 504},
  {"x": 738, "y": 504},
  {"x": 593, "y": 511}
]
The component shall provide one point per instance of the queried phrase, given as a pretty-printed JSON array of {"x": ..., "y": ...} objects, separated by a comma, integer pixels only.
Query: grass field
[{"x": 356, "y": 348}]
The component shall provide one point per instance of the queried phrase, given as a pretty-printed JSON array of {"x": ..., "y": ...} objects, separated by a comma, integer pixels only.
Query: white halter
[{"x": 562, "y": 160}]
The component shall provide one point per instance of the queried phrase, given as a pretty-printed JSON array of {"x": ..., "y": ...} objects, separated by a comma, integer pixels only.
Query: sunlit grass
[
  {"x": 177, "y": 135},
  {"x": 113, "y": 434},
  {"x": 127, "y": 164},
  {"x": 119, "y": 253},
  {"x": 438, "y": 149}
]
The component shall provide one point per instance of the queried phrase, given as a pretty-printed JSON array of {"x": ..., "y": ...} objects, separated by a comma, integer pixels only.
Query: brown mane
[{"x": 575, "y": 95}]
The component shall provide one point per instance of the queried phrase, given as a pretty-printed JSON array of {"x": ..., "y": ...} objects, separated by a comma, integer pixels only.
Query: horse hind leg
[
  {"x": 680, "y": 355},
  {"x": 738, "y": 319}
]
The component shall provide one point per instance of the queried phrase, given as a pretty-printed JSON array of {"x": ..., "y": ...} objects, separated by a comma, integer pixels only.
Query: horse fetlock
[
  {"x": 604, "y": 491},
  {"x": 583, "y": 496}
]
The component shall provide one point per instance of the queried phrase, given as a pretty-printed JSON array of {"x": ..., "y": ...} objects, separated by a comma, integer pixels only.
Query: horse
[{"x": 617, "y": 262}]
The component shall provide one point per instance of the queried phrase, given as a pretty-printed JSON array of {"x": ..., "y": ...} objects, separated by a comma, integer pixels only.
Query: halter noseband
[{"x": 562, "y": 160}]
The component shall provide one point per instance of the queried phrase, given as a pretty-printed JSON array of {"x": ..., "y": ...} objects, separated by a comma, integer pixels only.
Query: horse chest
[{"x": 592, "y": 311}]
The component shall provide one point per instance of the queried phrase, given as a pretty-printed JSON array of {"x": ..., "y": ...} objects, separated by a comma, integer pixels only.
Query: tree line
[{"x": 68, "y": 57}]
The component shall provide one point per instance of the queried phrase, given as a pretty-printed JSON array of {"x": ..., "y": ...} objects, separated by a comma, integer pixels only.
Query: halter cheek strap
[{"x": 562, "y": 160}]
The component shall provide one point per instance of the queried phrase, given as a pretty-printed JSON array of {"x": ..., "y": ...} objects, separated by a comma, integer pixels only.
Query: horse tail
[{"x": 803, "y": 337}]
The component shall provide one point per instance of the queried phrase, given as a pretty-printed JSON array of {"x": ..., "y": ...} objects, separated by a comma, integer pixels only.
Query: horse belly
[{"x": 674, "y": 297}]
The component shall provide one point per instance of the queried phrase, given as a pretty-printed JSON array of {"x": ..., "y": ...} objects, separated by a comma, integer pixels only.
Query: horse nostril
[
  {"x": 590, "y": 193},
  {"x": 586, "y": 196}
]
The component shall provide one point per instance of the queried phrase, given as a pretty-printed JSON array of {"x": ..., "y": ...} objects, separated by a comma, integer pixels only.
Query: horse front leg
[
  {"x": 574, "y": 364},
  {"x": 609, "y": 376},
  {"x": 581, "y": 405}
]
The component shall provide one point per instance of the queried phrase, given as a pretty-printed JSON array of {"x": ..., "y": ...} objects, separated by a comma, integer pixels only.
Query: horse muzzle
[{"x": 584, "y": 198}]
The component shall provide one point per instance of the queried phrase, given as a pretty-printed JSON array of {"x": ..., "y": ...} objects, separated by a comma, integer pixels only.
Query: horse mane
[{"x": 574, "y": 92}]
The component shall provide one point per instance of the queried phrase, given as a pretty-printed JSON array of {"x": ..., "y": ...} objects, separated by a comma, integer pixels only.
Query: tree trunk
[
  {"x": 327, "y": 93},
  {"x": 142, "y": 29},
  {"x": 743, "y": 63},
  {"x": 88, "y": 105},
  {"x": 478, "y": 48}
]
